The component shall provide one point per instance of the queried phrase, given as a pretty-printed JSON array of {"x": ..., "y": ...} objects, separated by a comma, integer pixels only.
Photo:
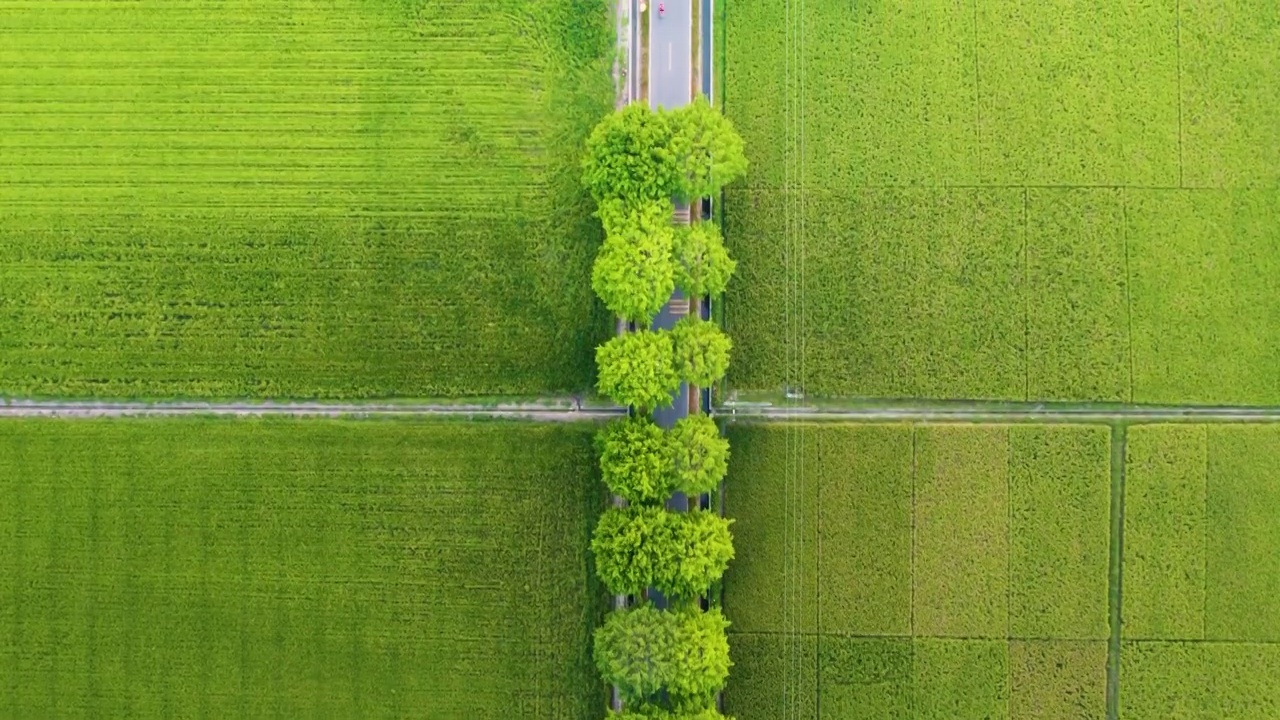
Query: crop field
[
  {"x": 899, "y": 571},
  {"x": 296, "y": 198},
  {"x": 1201, "y": 573},
  {"x": 302, "y": 568},
  {"x": 962, "y": 571},
  {"x": 989, "y": 199}
]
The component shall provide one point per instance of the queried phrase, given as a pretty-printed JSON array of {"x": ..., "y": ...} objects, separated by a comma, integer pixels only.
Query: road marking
[{"x": 669, "y": 52}]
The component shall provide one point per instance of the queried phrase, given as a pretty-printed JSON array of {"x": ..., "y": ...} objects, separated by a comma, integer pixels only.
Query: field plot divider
[
  {"x": 1115, "y": 577},
  {"x": 552, "y": 410},
  {"x": 980, "y": 412}
]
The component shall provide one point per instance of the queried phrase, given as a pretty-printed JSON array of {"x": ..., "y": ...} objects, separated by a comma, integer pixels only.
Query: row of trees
[
  {"x": 679, "y": 554},
  {"x": 643, "y": 368},
  {"x": 644, "y": 464},
  {"x": 666, "y": 664}
]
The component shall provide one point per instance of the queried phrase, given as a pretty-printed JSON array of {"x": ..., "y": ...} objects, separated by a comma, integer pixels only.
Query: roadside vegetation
[{"x": 667, "y": 661}]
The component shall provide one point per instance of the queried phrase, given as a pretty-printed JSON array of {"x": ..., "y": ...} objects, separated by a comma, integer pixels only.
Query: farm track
[
  {"x": 977, "y": 412},
  {"x": 550, "y": 410}
]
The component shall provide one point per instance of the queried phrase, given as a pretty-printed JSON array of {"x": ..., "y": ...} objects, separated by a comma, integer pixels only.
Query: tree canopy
[
  {"x": 634, "y": 271},
  {"x": 707, "y": 150},
  {"x": 635, "y": 460},
  {"x": 638, "y": 369},
  {"x": 678, "y": 554},
  {"x": 701, "y": 351},
  {"x": 629, "y": 155},
  {"x": 644, "y": 651},
  {"x": 702, "y": 264},
  {"x": 700, "y": 454}
]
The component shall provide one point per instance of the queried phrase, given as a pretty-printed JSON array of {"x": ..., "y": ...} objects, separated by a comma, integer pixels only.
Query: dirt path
[
  {"x": 550, "y": 411},
  {"x": 978, "y": 412}
]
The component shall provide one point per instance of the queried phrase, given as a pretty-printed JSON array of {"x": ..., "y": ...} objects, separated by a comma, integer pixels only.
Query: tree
[
  {"x": 657, "y": 713},
  {"x": 701, "y": 663},
  {"x": 629, "y": 155},
  {"x": 701, "y": 351},
  {"x": 704, "y": 548},
  {"x": 638, "y": 369},
  {"x": 702, "y": 264},
  {"x": 700, "y": 454},
  {"x": 634, "y": 651},
  {"x": 677, "y": 554},
  {"x": 634, "y": 272},
  {"x": 634, "y": 547},
  {"x": 644, "y": 651},
  {"x": 635, "y": 460},
  {"x": 707, "y": 150}
]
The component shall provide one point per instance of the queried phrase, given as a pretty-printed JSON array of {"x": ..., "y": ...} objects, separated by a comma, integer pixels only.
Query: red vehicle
[{"x": 661, "y": 9}]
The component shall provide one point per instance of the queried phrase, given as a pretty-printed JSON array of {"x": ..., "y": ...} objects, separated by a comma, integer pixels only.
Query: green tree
[
  {"x": 701, "y": 351},
  {"x": 704, "y": 547},
  {"x": 644, "y": 651},
  {"x": 701, "y": 663},
  {"x": 700, "y": 454},
  {"x": 702, "y": 264},
  {"x": 638, "y": 369},
  {"x": 707, "y": 149},
  {"x": 657, "y": 713},
  {"x": 633, "y": 546},
  {"x": 629, "y": 155},
  {"x": 634, "y": 651},
  {"x": 634, "y": 273},
  {"x": 677, "y": 554},
  {"x": 635, "y": 460}
]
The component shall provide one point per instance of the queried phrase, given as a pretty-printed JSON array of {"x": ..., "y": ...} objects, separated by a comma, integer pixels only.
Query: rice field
[
  {"x": 978, "y": 571},
  {"x": 299, "y": 568},
  {"x": 987, "y": 199},
  {"x": 296, "y": 198}
]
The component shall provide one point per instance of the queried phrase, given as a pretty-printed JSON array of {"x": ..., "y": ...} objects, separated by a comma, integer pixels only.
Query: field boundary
[
  {"x": 549, "y": 410},
  {"x": 1115, "y": 575},
  {"x": 978, "y": 412}
]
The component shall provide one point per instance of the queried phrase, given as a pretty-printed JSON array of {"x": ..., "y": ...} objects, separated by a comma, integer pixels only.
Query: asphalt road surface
[{"x": 670, "y": 46}]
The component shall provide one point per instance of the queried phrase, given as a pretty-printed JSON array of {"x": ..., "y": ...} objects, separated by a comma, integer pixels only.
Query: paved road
[{"x": 670, "y": 47}]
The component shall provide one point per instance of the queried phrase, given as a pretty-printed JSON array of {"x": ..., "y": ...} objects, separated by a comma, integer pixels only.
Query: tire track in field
[{"x": 548, "y": 410}]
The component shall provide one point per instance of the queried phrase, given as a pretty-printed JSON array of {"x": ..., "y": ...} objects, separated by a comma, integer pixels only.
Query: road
[
  {"x": 670, "y": 49},
  {"x": 553, "y": 410}
]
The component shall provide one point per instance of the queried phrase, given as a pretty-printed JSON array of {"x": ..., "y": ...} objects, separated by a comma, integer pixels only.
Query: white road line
[{"x": 670, "y": 53}]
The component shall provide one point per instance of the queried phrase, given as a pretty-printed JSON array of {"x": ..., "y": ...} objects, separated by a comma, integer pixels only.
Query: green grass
[
  {"x": 961, "y": 547},
  {"x": 1229, "y": 59},
  {"x": 961, "y": 679},
  {"x": 1078, "y": 93},
  {"x": 1059, "y": 534},
  {"x": 1203, "y": 300},
  {"x": 772, "y": 583},
  {"x": 984, "y": 199},
  {"x": 1242, "y": 549},
  {"x": 773, "y": 676},
  {"x": 298, "y": 199},
  {"x": 962, "y": 569},
  {"x": 1078, "y": 311},
  {"x": 1057, "y": 679},
  {"x": 864, "y": 677},
  {"x": 181, "y": 568},
  {"x": 1164, "y": 532},
  {"x": 864, "y": 522},
  {"x": 930, "y": 281},
  {"x": 1198, "y": 681}
]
